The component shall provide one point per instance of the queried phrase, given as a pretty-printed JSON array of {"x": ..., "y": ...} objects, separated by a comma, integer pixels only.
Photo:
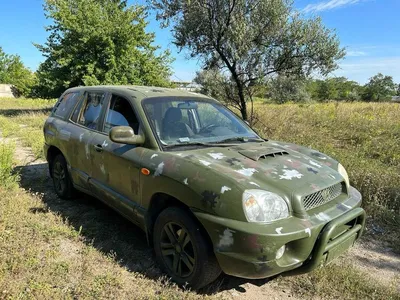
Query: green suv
[{"x": 209, "y": 192}]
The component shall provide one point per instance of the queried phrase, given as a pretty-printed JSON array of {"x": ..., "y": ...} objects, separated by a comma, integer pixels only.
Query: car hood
[
  {"x": 273, "y": 166},
  {"x": 223, "y": 173}
]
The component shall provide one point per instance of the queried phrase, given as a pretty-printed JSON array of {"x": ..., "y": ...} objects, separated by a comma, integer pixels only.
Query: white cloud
[
  {"x": 328, "y": 5},
  {"x": 361, "y": 69},
  {"x": 356, "y": 53}
]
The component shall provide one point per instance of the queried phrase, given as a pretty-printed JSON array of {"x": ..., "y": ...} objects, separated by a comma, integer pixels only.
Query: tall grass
[{"x": 8, "y": 180}]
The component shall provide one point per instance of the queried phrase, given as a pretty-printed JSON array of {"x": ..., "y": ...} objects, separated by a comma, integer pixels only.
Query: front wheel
[
  {"x": 182, "y": 250},
  {"x": 61, "y": 180}
]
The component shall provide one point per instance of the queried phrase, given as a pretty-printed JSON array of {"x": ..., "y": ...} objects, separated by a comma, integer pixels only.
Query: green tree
[
  {"x": 250, "y": 40},
  {"x": 212, "y": 83},
  {"x": 13, "y": 71},
  {"x": 95, "y": 42},
  {"x": 284, "y": 88},
  {"x": 379, "y": 88}
]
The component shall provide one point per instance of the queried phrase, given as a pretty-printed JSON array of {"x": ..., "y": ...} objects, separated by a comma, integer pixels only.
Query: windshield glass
[{"x": 177, "y": 121}]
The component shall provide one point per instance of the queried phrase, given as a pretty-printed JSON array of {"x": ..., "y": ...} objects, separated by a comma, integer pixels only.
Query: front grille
[{"x": 323, "y": 196}]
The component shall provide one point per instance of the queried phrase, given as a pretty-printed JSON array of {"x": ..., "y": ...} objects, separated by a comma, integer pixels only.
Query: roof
[{"x": 141, "y": 92}]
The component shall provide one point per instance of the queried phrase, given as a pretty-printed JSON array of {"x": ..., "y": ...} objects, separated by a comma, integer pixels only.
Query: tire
[
  {"x": 179, "y": 242},
  {"x": 62, "y": 182}
]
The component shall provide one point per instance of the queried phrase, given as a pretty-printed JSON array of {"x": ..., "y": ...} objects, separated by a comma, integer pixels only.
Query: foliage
[
  {"x": 379, "y": 88},
  {"x": 13, "y": 71},
  {"x": 94, "y": 42},
  {"x": 336, "y": 88},
  {"x": 212, "y": 83},
  {"x": 286, "y": 88},
  {"x": 250, "y": 40}
]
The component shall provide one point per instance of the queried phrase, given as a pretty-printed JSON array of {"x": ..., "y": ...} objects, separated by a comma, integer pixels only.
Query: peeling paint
[
  {"x": 225, "y": 189},
  {"x": 159, "y": 169},
  {"x": 315, "y": 164},
  {"x": 81, "y": 137},
  {"x": 226, "y": 239},
  {"x": 87, "y": 151},
  {"x": 186, "y": 181},
  {"x": 209, "y": 198},
  {"x": 279, "y": 230},
  {"x": 154, "y": 155},
  {"x": 246, "y": 172},
  {"x": 232, "y": 161},
  {"x": 216, "y": 155},
  {"x": 103, "y": 170},
  {"x": 308, "y": 231},
  {"x": 105, "y": 144},
  {"x": 290, "y": 174},
  {"x": 312, "y": 170},
  {"x": 204, "y": 162},
  {"x": 253, "y": 183},
  {"x": 319, "y": 155}
]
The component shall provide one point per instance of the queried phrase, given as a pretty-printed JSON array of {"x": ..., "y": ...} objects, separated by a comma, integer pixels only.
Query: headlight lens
[
  {"x": 263, "y": 206},
  {"x": 342, "y": 171}
]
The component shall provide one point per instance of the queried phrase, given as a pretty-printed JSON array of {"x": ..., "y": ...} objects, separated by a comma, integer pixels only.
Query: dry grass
[{"x": 364, "y": 137}]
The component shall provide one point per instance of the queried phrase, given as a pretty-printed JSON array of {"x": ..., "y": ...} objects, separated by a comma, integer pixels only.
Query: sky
[{"x": 368, "y": 29}]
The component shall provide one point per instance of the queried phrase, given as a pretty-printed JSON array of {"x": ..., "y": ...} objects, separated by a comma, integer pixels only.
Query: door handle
[{"x": 98, "y": 148}]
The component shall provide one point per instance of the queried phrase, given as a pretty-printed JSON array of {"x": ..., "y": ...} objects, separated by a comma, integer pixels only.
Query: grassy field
[
  {"x": 364, "y": 137},
  {"x": 80, "y": 249}
]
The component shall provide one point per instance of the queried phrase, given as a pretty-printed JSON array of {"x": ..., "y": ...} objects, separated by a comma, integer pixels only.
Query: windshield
[{"x": 177, "y": 121}]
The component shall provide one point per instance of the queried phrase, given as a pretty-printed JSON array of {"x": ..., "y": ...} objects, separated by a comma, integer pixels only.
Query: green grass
[
  {"x": 8, "y": 180},
  {"x": 24, "y": 118},
  {"x": 364, "y": 137}
]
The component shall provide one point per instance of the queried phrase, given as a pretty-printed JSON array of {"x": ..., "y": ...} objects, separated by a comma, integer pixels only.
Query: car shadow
[{"x": 107, "y": 231}]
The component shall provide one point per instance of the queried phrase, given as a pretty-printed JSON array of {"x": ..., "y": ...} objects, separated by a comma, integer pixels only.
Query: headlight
[
  {"x": 263, "y": 206},
  {"x": 342, "y": 171}
]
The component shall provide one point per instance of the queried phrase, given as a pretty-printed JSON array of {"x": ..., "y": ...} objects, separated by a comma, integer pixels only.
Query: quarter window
[
  {"x": 90, "y": 116},
  {"x": 64, "y": 106},
  {"x": 120, "y": 113}
]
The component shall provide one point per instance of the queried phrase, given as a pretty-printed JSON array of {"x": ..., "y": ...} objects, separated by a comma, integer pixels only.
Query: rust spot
[{"x": 145, "y": 171}]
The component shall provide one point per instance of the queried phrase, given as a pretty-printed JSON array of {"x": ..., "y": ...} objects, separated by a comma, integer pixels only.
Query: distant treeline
[{"x": 282, "y": 89}]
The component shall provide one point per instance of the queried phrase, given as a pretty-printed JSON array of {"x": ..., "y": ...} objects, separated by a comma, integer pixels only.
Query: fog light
[{"x": 280, "y": 252}]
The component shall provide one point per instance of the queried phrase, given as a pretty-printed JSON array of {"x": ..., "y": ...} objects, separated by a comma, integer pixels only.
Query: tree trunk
[{"x": 243, "y": 104}]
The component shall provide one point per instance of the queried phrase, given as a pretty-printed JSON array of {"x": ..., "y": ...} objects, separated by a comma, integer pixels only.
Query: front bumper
[{"x": 249, "y": 250}]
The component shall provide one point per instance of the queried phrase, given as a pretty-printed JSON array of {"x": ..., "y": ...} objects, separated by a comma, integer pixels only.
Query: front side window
[
  {"x": 120, "y": 113},
  {"x": 66, "y": 103},
  {"x": 90, "y": 115},
  {"x": 176, "y": 121}
]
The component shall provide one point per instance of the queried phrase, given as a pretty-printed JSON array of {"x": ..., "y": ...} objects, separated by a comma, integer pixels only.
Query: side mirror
[{"x": 125, "y": 135}]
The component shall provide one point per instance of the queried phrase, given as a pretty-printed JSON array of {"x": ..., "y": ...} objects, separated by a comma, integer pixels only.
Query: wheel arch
[
  {"x": 51, "y": 154},
  {"x": 160, "y": 201}
]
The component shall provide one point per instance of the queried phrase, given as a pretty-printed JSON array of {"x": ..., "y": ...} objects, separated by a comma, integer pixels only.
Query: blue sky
[{"x": 369, "y": 29}]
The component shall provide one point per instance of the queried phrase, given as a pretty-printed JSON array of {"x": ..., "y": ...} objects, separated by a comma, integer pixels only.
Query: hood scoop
[{"x": 263, "y": 153}]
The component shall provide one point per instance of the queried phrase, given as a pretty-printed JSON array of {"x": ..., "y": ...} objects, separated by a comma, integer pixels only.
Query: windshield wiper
[
  {"x": 239, "y": 139},
  {"x": 189, "y": 144}
]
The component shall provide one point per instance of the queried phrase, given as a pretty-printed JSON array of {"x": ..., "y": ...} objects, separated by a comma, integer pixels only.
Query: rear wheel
[
  {"x": 182, "y": 250},
  {"x": 61, "y": 179}
]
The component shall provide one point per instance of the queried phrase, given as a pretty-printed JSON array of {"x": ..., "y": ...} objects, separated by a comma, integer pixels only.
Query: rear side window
[
  {"x": 66, "y": 103},
  {"x": 90, "y": 115}
]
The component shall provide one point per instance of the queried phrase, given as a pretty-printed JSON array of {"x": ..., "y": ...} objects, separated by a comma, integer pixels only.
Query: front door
[{"x": 116, "y": 167}]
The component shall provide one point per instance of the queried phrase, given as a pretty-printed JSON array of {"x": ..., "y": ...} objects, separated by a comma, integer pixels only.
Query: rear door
[
  {"x": 116, "y": 167},
  {"x": 84, "y": 123}
]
